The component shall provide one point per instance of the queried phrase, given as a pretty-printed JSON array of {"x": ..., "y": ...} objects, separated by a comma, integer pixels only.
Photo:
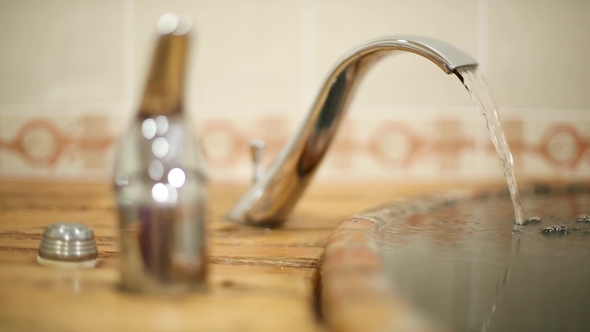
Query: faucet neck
[{"x": 272, "y": 198}]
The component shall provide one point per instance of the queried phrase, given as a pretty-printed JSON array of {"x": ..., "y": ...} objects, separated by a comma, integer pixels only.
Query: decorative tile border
[{"x": 78, "y": 146}]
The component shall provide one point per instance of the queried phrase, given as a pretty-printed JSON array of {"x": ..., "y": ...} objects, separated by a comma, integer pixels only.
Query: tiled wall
[{"x": 71, "y": 72}]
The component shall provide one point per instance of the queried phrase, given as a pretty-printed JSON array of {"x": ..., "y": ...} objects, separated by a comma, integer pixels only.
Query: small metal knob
[
  {"x": 256, "y": 154},
  {"x": 68, "y": 244}
]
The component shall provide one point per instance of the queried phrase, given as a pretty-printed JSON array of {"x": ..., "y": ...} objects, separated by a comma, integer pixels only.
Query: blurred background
[{"x": 72, "y": 71}]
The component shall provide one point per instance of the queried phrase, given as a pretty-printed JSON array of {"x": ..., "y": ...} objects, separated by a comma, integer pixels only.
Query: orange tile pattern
[{"x": 441, "y": 147}]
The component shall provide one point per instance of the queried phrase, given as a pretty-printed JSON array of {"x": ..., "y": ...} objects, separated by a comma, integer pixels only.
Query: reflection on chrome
[
  {"x": 161, "y": 125},
  {"x": 176, "y": 177},
  {"x": 160, "y": 192},
  {"x": 148, "y": 128},
  {"x": 175, "y": 24},
  {"x": 156, "y": 170},
  {"x": 167, "y": 23},
  {"x": 160, "y": 147},
  {"x": 121, "y": 180},
  {"x": 172, "y": 194}
]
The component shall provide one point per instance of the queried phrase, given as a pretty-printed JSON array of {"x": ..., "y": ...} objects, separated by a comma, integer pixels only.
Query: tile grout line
[
  {"x": 113, "y": 108},
  {"x": 308, "y": 54},
  {"x": 483, "y": 36},
  {"x": 129, "y": 54}
]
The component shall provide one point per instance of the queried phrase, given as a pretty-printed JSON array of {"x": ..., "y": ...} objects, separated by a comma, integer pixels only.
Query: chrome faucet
[
  {"x": 160, "y": 179},
  {"x": 276, "y": 192}
]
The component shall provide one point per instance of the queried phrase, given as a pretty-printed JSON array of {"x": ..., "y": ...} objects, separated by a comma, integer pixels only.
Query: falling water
[
  {"x": 452, "y": 265},
  {"x": 480, "y": 93}
]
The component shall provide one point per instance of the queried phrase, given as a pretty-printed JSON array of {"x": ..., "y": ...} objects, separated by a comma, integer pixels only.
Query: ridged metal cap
[{"x": 69, "y": 243}]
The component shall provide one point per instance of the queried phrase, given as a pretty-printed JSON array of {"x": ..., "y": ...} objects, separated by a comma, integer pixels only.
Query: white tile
[
  {"x": 61, "y": 51},
  {"x": 539, "y": 53},
  {"x": 402, "y": 79},
  {"x": 244, "y": 52},
  {"x": 225, "y": 138}
]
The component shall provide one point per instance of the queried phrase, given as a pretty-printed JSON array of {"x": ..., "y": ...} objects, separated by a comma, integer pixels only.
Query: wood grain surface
[{"x": 260, "y": 279}]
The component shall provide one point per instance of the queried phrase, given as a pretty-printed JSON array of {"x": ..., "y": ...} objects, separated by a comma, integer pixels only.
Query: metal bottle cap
[{"x": 68, "y": 244}]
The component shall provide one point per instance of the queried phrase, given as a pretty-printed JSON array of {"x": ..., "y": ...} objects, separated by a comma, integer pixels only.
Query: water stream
[
  {"x": 477, "y": 86},
  {"x": 471, "y": 268},
  {"x": 480, "y": 93}
]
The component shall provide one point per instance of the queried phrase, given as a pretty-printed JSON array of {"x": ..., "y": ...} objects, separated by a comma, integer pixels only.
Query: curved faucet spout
[{"x": 271, "y": 199}]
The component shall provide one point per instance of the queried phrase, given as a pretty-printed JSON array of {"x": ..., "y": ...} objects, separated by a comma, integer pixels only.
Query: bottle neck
[{"x": 164, "y": 89}]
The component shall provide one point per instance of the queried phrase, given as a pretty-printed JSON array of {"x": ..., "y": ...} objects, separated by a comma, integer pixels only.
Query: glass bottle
[{"x": 159, "y": 179}]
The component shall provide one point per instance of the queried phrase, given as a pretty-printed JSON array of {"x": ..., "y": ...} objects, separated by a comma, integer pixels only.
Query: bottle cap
[{"x": 68, "y": 244}]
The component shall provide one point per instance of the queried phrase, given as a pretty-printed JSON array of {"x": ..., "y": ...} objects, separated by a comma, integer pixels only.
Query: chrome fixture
[
  {"x": 275, "y": 194},
  {"x": 68, "y": 245},
  {"x": 256, "y": 154},
  {"x": 159, "y": 179}
]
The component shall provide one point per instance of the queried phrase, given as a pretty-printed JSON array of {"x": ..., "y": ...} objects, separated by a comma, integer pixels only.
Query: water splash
[{"x": 480, "y": 93}]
